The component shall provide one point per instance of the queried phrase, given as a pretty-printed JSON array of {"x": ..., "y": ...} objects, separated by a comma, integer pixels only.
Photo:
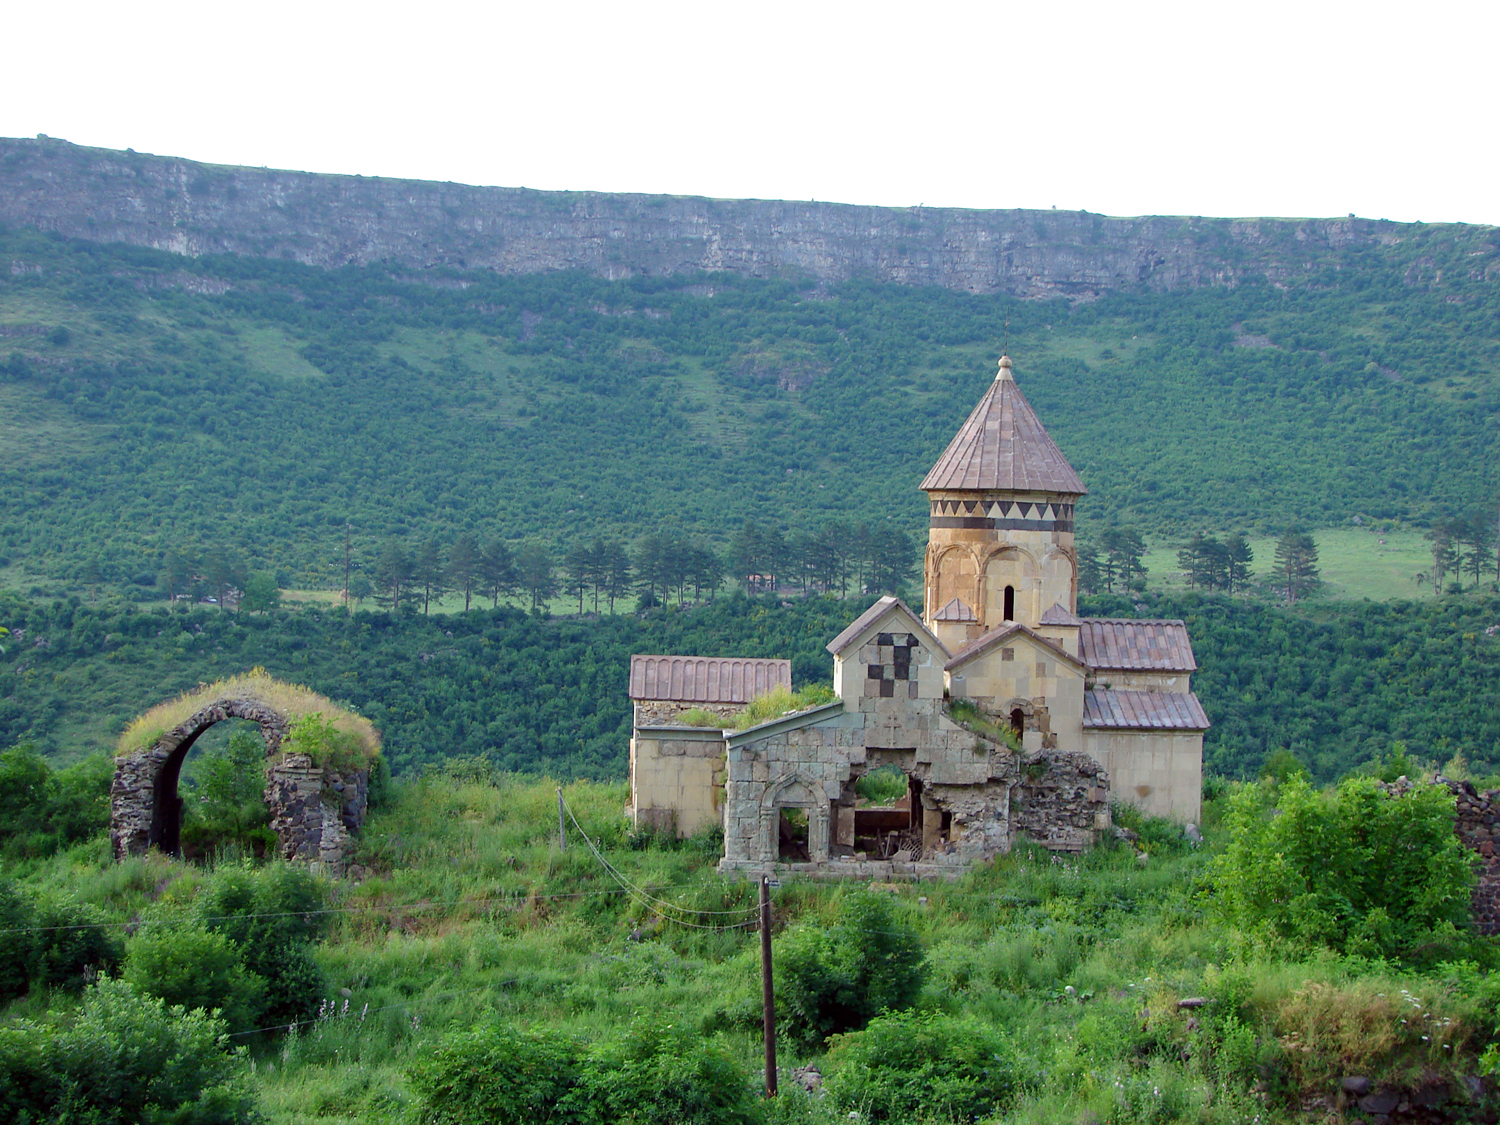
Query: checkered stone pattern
[{"x": 888, "y": 666}]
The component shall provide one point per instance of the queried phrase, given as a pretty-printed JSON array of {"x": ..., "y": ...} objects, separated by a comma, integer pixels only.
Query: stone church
[{"x": 1100, "y": 708}]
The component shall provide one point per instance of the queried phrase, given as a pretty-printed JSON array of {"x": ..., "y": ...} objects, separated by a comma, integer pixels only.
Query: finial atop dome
[{"x": 1004, "y": 372}]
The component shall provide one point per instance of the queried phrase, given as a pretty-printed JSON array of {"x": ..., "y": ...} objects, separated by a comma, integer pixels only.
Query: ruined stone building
[{"x": 1101, "y": 708}]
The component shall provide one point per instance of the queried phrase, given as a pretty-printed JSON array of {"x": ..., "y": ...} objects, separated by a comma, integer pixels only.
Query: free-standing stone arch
[{"x": 315, "y": 807}]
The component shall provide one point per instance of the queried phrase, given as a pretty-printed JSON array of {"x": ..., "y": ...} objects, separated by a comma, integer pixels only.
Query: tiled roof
[
  {"x": 1143, "y": 710},
  {"x": 874, "y": 614},
  {"x": 955, "y": 610},
  {"x": 1003, "y": 447},
  {"x": 706, "y": 679},
  {"x": 982, "y": 644},
  {"x": 1057, "y": 615},
  {"x": 1124, "y": 644}
]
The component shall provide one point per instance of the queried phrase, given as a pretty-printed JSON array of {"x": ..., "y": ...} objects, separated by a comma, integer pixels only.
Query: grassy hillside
[
  {"x": 151, "y": 403},
  {"x": 1106, "y": 987}
]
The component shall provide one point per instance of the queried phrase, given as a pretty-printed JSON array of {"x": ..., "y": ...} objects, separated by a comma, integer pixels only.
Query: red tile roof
[
  {"x": 1123, "y": 644},
  {"x": 1143, "y": 710},
  {"x": 1003, "y": 447},
  {"x": 706, "y": 679}
]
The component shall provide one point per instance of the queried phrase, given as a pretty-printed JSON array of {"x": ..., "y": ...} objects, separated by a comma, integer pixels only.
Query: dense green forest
[
  {"x": 151, "y": 403},
  {"x": 1336, "y": 685}
]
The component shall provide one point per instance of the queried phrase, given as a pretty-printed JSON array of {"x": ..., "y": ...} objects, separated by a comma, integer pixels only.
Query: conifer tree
[{"x": 1297, "y": 564}]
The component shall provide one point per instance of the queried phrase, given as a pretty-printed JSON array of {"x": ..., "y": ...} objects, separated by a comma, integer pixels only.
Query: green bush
[
  {"x": 662, "y": 1075},
  {"x": 126, "y": 1059},
  {"x": 271, "y": 914},
  {"x": 1354, "y": 870},
  {"x": 652, "y": 1075},
  {"x": 498, "y": 1074},
  {"x": 193, "y": 967},
  {"x": 74, "y": 944},
  {"x": 832, "y": 980},
  {"x": 908, "y": 1067},
  {"x": 16, "y": 941}
]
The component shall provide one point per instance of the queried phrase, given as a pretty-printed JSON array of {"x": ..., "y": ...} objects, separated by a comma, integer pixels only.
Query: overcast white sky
[{"x": 1277, "y": 108}]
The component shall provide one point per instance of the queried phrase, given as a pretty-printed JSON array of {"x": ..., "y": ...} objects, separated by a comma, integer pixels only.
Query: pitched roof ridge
[
  {"x": 986, "y": 641},
  {"x": 1137, "y": 620},
  {"x": 870, "y": 616}
]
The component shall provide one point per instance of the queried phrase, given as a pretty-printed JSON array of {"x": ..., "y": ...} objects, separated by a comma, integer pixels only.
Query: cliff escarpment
[{"x": 326, "y": 220}]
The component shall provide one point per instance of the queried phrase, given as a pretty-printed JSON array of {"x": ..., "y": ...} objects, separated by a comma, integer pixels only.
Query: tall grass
[{"x": 259, "y": 686}]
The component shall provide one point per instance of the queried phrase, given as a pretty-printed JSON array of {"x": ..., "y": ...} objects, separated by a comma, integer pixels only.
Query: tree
[
  {"x": 615, "y": 575},
  {"x": 1444, "y": 555},
  {"x": 497, "y": 568},
  {"x": 430, "y": 573},
  {"x": 393, "y": 573},
  {"x": 465, "y": 562},
  {"x": 261, "y": 593},
  {"x": 1237, "y": 559},
  {"x": 1297, "y": 564},
  {"x": 1090, "y": 573},
  {"x": 834, "y": 980},
  {"x": 226, "y": 573},
  {"x": 578, "y": 564},
  {"x": 176, "y": 575},
  {"x": 1123, "y": 549},
  {"x": 535, "y": 574},
  {"x": 893, "y": 559}
]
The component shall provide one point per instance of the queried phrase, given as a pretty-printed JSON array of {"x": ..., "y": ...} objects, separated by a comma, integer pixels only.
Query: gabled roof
[
  {"x": 706, "y": 679},
  {"x": 1003, "y": 447},
  {"x": 880, "y": 609},
  {"x": 956, "y": 610},
  {"x": 1122, "y": 644},
  {"x": 1057, "y": 615},
  {"x": 1143, "y": 710},
  {"x": 1008, "y": 631}
]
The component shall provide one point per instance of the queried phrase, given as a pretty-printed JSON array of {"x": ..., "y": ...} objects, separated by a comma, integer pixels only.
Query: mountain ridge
[{"x": 192, "y": 208}]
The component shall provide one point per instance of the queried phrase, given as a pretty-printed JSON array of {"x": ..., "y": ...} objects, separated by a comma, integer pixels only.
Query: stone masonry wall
[
  {"x": 1477, "y": 822},
  {"x": 314, "y": 813},
  {"x": 1062, "y": 800}
]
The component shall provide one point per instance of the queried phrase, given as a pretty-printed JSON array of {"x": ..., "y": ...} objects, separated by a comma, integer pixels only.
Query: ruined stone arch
[
  {"x": 314, "y": 806},
  {"x": 1059, "y": 577}
]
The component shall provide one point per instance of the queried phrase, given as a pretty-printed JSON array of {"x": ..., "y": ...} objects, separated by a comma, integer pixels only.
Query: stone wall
[
  {"x": 675, "y": 774},
  {"x": 314, "y": 812},
  {"x": 1061, "y": 800},
  {"x": 1477, "y": 823}
]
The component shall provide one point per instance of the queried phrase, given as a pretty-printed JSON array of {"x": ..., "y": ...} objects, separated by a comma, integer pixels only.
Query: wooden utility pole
[
  {"x": 562, "y": 829},
  {"x": 768, "y": 993}
]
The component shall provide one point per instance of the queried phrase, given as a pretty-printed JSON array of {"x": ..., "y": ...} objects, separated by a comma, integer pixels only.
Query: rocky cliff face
[{"x": 192, "y": 208}]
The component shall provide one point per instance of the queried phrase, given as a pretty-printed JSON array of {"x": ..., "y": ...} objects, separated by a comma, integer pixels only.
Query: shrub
[
  {"x": 910, "y": 1067},
  {"x": 74, "y": 944},
  {"x": 16, "y": 947},
  {"x": 652, "y": 1075},
  {"x": 193, "y": 967},
  {"x": 126, "y": 1060},
  {"x": 835, "y": 980},
  {"x": 271, "y": 914},
  {"x": 1355, "y": 870},
  {"x": 498, "y": 1074},
  {"x": 662, "y": 1075}
]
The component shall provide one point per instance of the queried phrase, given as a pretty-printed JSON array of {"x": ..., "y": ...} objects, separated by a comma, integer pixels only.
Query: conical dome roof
[{"x": 1003, "y": 447}]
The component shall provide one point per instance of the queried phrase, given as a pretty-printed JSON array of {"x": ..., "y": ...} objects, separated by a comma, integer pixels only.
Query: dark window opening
[
  {"x": 1018, "y": 722},
  {"x": 791, "y": 834},
  {"x": 1010, "y": 603}
]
